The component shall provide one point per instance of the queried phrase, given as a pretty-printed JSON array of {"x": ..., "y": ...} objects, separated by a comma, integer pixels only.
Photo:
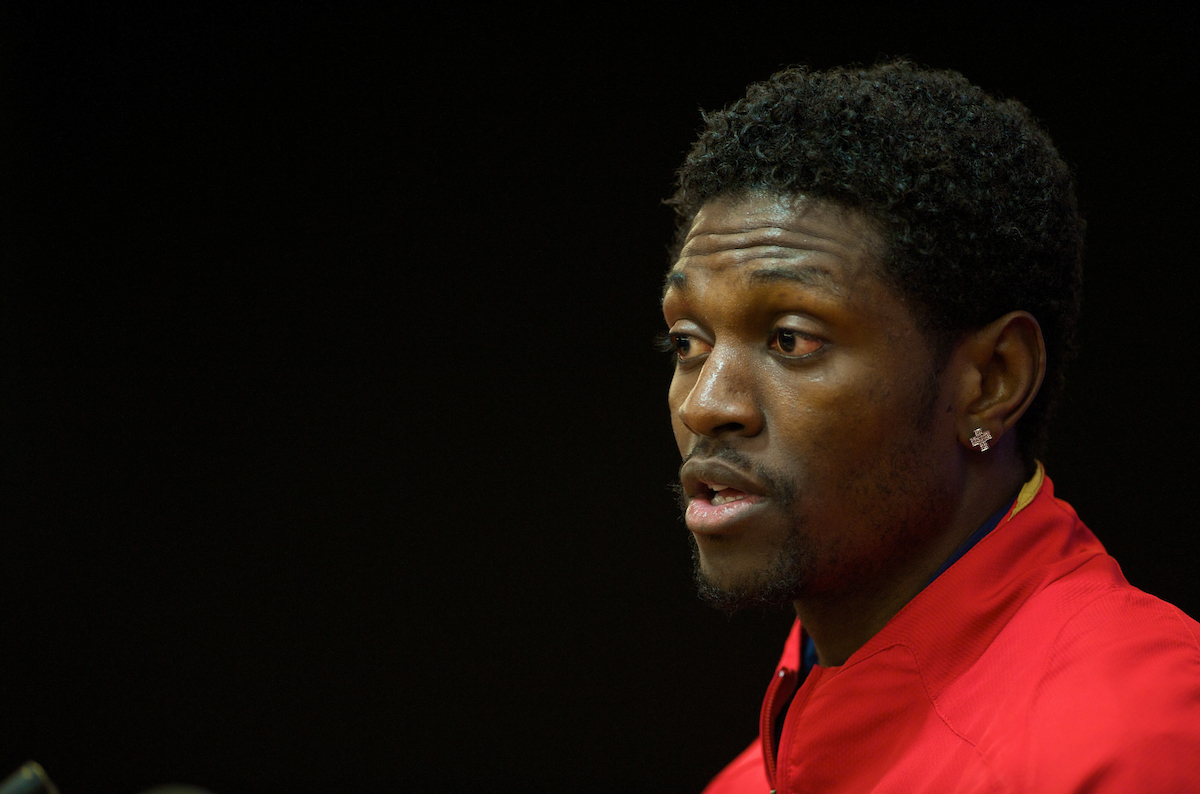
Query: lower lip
[{"x": 703, "y": 517}]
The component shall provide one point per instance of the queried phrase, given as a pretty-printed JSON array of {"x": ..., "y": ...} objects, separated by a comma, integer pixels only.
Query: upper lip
[{"x": 698, "y": 474}]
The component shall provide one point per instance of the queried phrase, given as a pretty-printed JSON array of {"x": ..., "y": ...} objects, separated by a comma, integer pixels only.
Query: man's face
[{"x": 803, "y": 403}]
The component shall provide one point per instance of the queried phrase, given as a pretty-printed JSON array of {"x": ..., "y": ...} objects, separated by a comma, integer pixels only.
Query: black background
[{"x": 335, "y": 450}]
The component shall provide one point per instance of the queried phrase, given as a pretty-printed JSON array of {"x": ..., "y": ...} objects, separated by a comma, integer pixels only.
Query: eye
[
  {"x": 685, "y": 346},
  {"x": 794, "y": 344}
]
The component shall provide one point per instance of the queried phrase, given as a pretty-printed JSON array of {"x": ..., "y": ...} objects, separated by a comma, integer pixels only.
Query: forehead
[{"x": 766, "y": 238}]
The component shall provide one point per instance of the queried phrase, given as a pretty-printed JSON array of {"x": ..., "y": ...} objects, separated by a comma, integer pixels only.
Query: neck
[{"x": 842, "y": 622}]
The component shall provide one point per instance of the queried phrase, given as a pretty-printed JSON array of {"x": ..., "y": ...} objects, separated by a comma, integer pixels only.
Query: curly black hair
[{"x": 976, "y": 207}]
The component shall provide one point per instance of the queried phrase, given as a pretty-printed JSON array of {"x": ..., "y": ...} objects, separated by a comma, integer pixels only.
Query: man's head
[
  {"x": 974, "y": 207},
  {"x": 867, "y": 264}
]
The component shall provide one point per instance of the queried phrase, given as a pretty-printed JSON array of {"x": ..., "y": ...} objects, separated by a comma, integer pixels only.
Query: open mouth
[
  {"x": 716, "y": 507},
  {"x": 719, "y": 494}
]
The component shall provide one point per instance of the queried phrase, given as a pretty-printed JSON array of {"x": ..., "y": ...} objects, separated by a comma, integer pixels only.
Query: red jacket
[{"x": 1030, "y": 665}]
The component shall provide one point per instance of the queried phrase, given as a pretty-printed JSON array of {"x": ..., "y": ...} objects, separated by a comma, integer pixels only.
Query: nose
[{"x": 722, "y": 399}]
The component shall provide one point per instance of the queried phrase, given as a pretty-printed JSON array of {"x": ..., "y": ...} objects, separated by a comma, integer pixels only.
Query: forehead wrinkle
[
  {"x": 712, "y": 242},
  {"x": 778, "y": 264},
  {"x": 737, "y": 245}
]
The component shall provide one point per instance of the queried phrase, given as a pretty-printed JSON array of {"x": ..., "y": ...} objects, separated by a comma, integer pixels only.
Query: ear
[{"x": 1003, "y": 365}]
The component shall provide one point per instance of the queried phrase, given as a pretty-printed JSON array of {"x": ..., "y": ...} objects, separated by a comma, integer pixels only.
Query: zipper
[{"x": 779, "y": 694}]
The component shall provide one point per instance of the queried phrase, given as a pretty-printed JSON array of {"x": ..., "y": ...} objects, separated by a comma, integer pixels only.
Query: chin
[{"x": 730, "y": 587}]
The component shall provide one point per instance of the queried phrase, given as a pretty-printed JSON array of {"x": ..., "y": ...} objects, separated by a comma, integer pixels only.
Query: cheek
[
  {"x": 675, "y": 397},
  {"x": 820, "y": 409},
  {"x": 837, "y": 430}
]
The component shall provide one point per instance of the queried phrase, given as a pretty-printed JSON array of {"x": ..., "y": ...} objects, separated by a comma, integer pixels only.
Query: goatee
[{"x": 780, "y": 583}]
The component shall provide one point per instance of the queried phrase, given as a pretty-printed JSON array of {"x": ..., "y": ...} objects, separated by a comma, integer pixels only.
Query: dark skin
[{"x": 824, "y": 458}]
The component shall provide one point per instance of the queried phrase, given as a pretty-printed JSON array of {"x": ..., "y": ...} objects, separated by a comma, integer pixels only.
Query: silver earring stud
[{"x": 981, "y": 439}]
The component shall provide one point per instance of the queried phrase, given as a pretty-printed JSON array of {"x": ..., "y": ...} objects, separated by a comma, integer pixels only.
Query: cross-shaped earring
[{"x": 981, "y": 439}]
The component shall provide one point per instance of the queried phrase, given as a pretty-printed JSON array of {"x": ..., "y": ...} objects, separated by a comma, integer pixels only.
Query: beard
[
  {"x": 905, "y": 505},
  {"x": 779, "y": 584},
  {"x": 783, "y": 580}
]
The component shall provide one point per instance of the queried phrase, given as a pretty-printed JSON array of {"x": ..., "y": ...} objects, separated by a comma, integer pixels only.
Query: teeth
[
  {"x": 716, "y": 487},
  {"x": 720, "y": 500}
]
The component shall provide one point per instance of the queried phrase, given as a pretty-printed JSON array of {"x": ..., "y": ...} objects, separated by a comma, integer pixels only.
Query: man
[{"x": 875, "y": 292}]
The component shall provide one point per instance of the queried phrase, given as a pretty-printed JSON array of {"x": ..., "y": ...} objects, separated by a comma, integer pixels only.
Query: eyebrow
[
  {"x": 674, "y": 280},
  {"x": 808, "y": 275}
]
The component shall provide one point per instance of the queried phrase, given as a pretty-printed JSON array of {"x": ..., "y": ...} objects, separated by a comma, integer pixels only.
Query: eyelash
[
  {"x": 665, "y": 342},
  {"x": 668, "y": 343}
]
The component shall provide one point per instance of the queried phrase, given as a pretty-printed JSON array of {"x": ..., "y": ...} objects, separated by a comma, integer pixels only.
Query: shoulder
[
  {"x": 1118, "y": 647},
  {"x": 1119, "y": 624},
  {"x": 1116, "y": 702},
  {"x": 1092, "y": 685}
]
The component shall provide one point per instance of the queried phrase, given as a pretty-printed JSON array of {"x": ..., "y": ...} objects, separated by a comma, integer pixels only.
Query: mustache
[{"x": 712, "y": 448}]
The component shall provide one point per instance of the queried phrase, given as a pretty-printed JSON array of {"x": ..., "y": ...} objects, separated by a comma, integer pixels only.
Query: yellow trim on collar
[{"x": 1029, "y": 490}]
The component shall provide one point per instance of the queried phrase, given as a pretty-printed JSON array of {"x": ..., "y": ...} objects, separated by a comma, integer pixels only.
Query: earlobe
[{"x": 1007, "y": 361}]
